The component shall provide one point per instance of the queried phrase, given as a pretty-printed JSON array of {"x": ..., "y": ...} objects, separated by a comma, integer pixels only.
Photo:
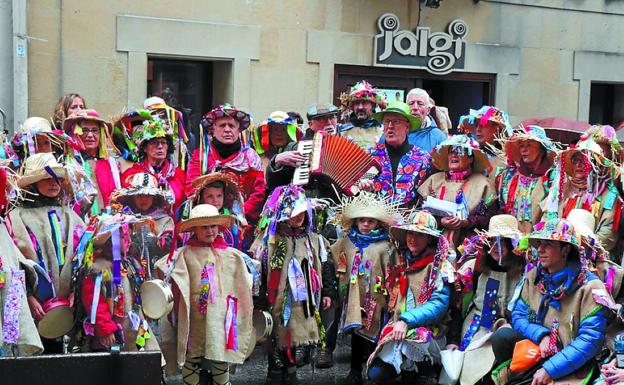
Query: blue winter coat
[{"x": 431, "y": 312}]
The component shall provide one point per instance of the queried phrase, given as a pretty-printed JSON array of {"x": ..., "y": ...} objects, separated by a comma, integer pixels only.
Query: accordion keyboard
[{"x": 302, "y": 173}]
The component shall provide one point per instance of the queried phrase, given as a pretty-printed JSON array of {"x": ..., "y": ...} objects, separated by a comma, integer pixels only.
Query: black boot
[
  {"x": 289, "y": 377},
  {"x": 353, "y": 378},
  {"x": 274, "y": 377}
]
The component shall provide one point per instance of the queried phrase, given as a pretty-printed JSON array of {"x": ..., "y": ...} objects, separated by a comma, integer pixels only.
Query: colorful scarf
[{"x": 557, "y": 286}]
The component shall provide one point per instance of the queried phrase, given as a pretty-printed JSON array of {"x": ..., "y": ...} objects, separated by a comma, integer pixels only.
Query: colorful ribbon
[
  {"x": 207, "y": 292},
  {"x": 57, "y": 236},
  {"x": 297, "y": 281},
  {"x": 12, "y": 307},
  {"x": 115, "y": 239},
  {"x": 231, "y": 316}
]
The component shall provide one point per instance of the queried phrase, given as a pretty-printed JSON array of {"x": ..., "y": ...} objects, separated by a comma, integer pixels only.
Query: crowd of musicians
[{"x": 469, "y": 252}]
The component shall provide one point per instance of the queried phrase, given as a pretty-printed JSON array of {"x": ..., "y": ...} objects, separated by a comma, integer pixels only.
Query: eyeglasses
[
  {"x": 158, "y": 142},
  {"x": 394, "y": 122},
  {"x": 93, "y": 131}
]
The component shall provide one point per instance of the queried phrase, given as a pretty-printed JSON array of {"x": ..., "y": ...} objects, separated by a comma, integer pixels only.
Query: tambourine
[
  {"x": 157, "y": 298},
  {"x": 58, "y": 320},
  {"x": 262, "y": 324}
]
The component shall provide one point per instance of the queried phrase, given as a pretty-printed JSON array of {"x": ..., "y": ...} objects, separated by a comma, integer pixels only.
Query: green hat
[{"x": 398, "y": 107}]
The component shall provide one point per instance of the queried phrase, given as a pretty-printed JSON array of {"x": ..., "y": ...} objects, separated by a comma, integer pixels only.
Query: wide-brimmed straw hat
[
  {"x": 231, "y": 185},
  {"x": 403, "y": 109},
  {"x": 36, "y": 125},
  {"x": 419, "y": 222},
  {"x": 226, "y": 110},
  {"x": 143, "y": 183},
  {"x": 39, "y": 167},
  {"x": 556, "y": 229},
  {"x": 206, "y": 215},
  {"x": 468, "y": 123},
  {"x": 440, "y": 154},
  {"x": 69, "y": 124},
  {"x": 368, "y": 205},
  {"x": 589, "y": 149},
  {"x": 535, "y": 133},
  {"x": 504, "y": 226}
]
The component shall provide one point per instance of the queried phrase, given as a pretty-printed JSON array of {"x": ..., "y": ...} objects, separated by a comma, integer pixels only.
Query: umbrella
[{"x": 559, "y": 129}]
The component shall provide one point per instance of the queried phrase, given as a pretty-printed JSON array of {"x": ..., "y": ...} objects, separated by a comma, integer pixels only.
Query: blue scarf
[
  {"x": 362, "y": 241},
  {"x": 556, "y": 287}
]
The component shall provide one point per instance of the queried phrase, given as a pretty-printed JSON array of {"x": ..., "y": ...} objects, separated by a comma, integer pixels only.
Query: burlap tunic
[
  {"x": 203, "y": 335},
  {"x": 352, "y": 296}
]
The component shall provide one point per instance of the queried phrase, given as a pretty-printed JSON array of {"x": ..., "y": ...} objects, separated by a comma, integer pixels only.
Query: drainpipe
[{"x": 20, "y": 64}]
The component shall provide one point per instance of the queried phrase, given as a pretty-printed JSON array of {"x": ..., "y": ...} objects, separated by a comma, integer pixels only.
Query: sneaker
[
  {"x": 324, "y": 359},
  {"x": 354, "y": 378}
]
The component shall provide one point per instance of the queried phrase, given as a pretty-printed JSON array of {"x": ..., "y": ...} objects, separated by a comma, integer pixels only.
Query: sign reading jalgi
[{"x": 439, "y": 52}]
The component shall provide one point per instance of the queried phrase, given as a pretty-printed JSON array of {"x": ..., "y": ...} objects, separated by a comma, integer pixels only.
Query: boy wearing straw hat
[
  {"x": 213, "y": 288},
  {"x": 36, "y": 135},
  {"x": 419, "y": 288},
  {"x": 299, "y": 278},
  {"x": 362, "y": 261},
  {"x": 488, "y": 282},
  {"x": 46, "y": 231}
]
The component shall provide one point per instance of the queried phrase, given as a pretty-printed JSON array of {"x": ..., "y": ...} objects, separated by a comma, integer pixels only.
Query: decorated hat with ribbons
[
  {"x": 261, "y": 138},
  {"x": 151, "y": 129},
  {"x": 225, "y": 111},
  {"x": 605, "y": 135},
  {"x": 468, "y": 146},
  {"x": 72, "y": 127},
  {"x": 123, "y": 128},
  {"x": 143, "y": 183},
  {"x": 38, "y": 167},
  {"x": 25, "y": 140},
  {"x": 363, "y": 90},
  {"x": 483, "y": 116},
  {"x": 558, "y": 229},
  {"x": 419, "y": 222},
  {"x": 534, "y": 133}
]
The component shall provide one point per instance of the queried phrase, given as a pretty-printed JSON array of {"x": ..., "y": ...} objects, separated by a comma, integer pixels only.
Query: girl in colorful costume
[
  {"x": 299, "y": 278},
  {"x": 363, "y": 259},
  {"x": 213, "y": 290},
  {"x": 526, "y": 182},
  {"x": 488, "y": 284},
  {"x": 221, "y": 190},
  {"x": 419, "y": 290},
  {"x": 462, "y": 181},
  {"x": 46, "y": 231},
  {"x": 558, "y": 310}
]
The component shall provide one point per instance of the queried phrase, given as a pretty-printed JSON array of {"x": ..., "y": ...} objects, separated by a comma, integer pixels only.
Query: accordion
[{"x": 343, "y": 161}]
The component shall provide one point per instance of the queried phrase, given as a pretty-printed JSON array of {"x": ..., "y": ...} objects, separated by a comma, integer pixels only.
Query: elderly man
[
  {"x": 427, "y": 135},
  {"x": 404, "y": 166},
  {"x": 224, "y": 152},
  {"x": 280, "y": 171},
  {"x": 361, "y": 102}
]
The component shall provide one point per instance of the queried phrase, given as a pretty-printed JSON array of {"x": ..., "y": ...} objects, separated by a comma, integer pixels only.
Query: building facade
[{"x": 535, "y": 58}]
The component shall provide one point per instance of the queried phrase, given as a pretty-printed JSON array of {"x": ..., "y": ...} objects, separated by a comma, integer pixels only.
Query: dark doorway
[
  {"x": 605, "y": 103},
  {"x": 458, "y": 91}
]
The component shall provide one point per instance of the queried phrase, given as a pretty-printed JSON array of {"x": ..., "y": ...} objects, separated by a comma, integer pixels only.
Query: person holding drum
[
  {"x": 213, "y": 286},
  {"x": 47, "y": 231}
]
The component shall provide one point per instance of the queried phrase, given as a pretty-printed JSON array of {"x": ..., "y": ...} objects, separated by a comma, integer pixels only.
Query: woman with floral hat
[
  {"x": 272, "y": 136},
  {"x": 528, "y": 179},
  {"x": 174, "y": 120},
  {"x": 557, "y": 310},
  {"x": 363, "y": 259},
  {"x": 91, "y": 138},
  {"x": 463, "y": 182},
  {"x": 488, "y": 283},
  {"x": 213, "y": 290},
  {"x": 220, "y": 149},
  {"x": 584, "y": 181},
  {"x": 299, "y": 278},
  {"x": 47, "y": 231},
  {"x": 155, "y": 145},
  {"x": 419, "y": 294},
  {"x": 486, "y": 125}
]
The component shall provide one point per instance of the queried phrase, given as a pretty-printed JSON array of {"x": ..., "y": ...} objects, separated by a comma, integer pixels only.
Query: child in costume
[
  {"x": 294, "y": 258},
  {"x": 145, "y": 197},
  {"x": 213, "y": 290},
  {"x": 46, "y": 231},
  {"x": 419, "y": 288},
  {"x": 19, "y": 336},
  {"x": 110, "y": 277},
  {"x": 489, "y": 282},
  {"x": 221, "y": 190},
  {"x": 362, "y": 261}
]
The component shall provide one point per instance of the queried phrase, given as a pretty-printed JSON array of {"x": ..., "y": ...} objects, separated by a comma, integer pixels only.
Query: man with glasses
[
  {"x": 404, "y": 166},
  {"x": 426, "y": 135}
]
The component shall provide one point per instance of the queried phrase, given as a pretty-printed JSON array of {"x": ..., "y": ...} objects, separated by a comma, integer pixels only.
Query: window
[{"x": 604, "y": 103}]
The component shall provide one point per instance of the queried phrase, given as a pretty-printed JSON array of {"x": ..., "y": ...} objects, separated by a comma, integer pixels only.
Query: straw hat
[
  {"x": 584, "y": 222},
  {"x": 440, "y": 154},
  {"x": 504, "y": 226},
  {"x": 419, "y": 222},
  {"x": 535, "y": 133},
  {"x": 231, "y": 185},
  {"x": 36, "y": 125},
  {"x": 604, "y": 134},
  {"x": 143, "y": 183},
  {"x": 403, "y": 109},
  {"x": 468, "y": 123},
  {"x": 226, "y": 110},
  {"x": 557, "y": 229},
  {"x": 206, "y": 215},
  {"x": 39, "y": 167},
  {"x": 363, "y": 90},
  {"x": 368, "y": 205},
  {"x": 69, "y": 124}
]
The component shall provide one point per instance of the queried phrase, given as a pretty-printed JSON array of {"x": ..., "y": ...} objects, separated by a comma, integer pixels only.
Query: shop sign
[{"x": 438, "y": 52}]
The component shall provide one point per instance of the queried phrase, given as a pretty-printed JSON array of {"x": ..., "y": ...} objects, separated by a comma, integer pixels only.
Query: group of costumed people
[{"x": 492, "y": 256}]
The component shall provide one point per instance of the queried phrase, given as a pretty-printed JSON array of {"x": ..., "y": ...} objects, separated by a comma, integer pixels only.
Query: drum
[
  {"x": 157, "y": 298},
  {"x": 58, "y": 320},
  {"x": 262, "y": 324}
]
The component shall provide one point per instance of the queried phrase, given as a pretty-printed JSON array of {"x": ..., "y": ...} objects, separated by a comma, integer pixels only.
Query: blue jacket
[
  {"x": 587, "y": 344},
  {"x": 431, "y": 312},
  {"x": 425, "y": 138}
]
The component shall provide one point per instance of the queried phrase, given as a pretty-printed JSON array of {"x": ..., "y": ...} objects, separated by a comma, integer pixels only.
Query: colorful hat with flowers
[
  {"x": 222, "y": 111},
  {"x": 363, "y": 90},
  {"x": 123, "y": 128},
  {"x": 604, "y": 134},
  {"x": 535, "y": 133},
  {"x": 558, "y": 229},
  {"x": 151, "y": 129},
  {"x": 261, "y": 135},
  {"x": 419, "y": 222},
  {"x": 481, "y": 117},
  {"x": 440, "y": 154}
]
